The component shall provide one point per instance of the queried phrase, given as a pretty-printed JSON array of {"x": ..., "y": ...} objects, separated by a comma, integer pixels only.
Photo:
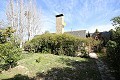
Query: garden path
[{"x": 102, "y": 67}]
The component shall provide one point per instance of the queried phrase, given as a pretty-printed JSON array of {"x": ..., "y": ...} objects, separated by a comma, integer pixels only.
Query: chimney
[{"x": 60, "y": 24}]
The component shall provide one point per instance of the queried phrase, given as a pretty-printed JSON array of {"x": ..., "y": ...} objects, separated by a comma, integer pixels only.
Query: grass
[{"x": 52, "y": 67}]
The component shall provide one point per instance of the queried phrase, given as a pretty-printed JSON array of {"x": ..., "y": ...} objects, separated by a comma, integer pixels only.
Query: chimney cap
[{"x": 59, "y": 15}]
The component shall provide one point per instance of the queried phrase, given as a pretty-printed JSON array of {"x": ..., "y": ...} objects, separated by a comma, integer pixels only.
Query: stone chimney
[{"x": 60, "y": 24}]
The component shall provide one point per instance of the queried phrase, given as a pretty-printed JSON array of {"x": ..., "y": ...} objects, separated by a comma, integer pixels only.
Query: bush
[
  {"x": 60, "y": 44},
  {"x": 9, "y": 53},
  {"x": 113, "y": 55},
  {"x": 111, "y": 50},
  {"x": 84, "y": 52}
]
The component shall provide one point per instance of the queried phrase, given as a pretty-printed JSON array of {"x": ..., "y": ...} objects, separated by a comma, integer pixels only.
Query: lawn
[{"x": 52, "y": 67}]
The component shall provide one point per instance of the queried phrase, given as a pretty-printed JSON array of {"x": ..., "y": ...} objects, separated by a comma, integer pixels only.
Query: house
[
  {"x": 60, "y": 27},
  {"x": 103, "y": 36},
  {"x": 79, "y": 33}
]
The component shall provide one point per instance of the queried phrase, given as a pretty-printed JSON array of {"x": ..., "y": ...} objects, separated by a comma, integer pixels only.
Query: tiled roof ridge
[{"x": 76, "y": 31}]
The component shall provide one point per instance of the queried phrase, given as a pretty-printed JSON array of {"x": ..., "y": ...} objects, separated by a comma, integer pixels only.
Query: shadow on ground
[
  {"x": 20, "y": 77},
  {"x": 85, "y": 70},
  {"x": 7, "y": 66},
  {"x": 113, "y": 70},
  {"x": 76, "y": 70}
]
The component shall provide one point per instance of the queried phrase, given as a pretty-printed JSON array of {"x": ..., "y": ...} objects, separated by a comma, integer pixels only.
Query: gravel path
[{"x": 103, "y": 69}]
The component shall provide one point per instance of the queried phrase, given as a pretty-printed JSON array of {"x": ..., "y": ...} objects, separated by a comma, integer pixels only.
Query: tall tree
[
  {"x": 116, "y": 21},
  {"x": 32, "y": 18},
  {"x": 23, "y": 16},
  {"x": 113, "y": 46},
  {"x": 96, "y": 31}
]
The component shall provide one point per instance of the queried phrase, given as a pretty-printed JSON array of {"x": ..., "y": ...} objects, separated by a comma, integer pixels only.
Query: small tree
[
  {"x": 88, "y": 35},
  {"x": 96, "y": 31},
  {"x": 9, "y": 52}
]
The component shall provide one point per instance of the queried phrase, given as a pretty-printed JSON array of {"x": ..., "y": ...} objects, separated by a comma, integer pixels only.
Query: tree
[
  {"x": 32, "y": 18},
  {"x": 9, "y": 52},
  {"x": 47, "y": 32},
  {"x": 24, "y": 17},
  {"x": 6, "y": 34},
  {"x": 96, "y": 31},
  {"x": 15, "y": 17},
  {"x": 113, "y": 46},
  {"x": 88, "y": 35},
  {"x": 116, "y": 33},
  {"x": 112, "y": 34},
  {"x": 116, "y": 21}
]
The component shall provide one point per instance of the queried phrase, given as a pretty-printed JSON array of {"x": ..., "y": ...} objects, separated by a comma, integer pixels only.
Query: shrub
[
  {"x": 9, "y": 53},
  {"x": 111, "y": 47},
  {"x": 60, "y": 44},
  {"x": 84, "y": 52},
  {"x": 113, "y": 55}
]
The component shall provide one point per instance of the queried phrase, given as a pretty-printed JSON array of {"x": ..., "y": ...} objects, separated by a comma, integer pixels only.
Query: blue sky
[{"x": 78, "y": 14}]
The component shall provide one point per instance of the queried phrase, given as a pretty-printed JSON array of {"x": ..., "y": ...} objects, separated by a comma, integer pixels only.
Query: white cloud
[
  {"x": 100, "y": 28},
  {"x": 47, "y": 23},
  {"x": 79, "y": 14}
]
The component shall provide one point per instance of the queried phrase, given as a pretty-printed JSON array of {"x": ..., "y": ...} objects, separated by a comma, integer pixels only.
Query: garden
[
  {"x": 47, "y": 56},
  {"x": 56, "y": 56}
]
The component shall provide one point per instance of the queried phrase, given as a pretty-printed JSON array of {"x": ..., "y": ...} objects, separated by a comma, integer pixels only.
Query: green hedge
[{"x": 61, "y": 44}]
